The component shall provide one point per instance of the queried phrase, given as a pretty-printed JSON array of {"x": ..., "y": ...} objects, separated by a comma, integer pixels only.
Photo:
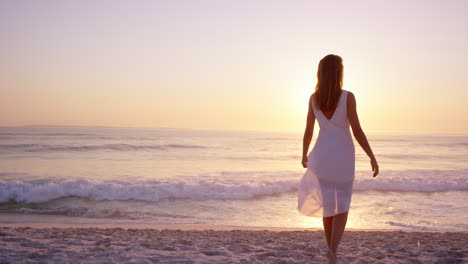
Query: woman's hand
[
  {"x": 304, "y": 161},
  {"x": 375, "y": 166}
]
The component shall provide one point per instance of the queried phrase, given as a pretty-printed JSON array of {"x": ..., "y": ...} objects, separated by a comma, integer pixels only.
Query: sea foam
[{"x": 246, "y": 185}]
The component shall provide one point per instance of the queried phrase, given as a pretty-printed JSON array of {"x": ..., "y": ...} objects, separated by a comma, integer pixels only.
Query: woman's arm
[
  {"x": 309, "y": 131},
  {"x": 359, "y": 133}
]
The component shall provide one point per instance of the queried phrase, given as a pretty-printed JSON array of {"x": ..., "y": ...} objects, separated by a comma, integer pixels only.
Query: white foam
[
  {"x": 413, "y": 180},
  {"x": 141, "y": 190},
  {"x": 246, "y": 185}
]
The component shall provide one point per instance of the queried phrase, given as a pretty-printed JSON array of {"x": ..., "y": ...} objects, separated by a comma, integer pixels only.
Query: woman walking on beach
[{"x": 325, "y": 189}]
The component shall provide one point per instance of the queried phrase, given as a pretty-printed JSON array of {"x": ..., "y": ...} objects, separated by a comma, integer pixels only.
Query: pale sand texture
[{"x": 118, "y": 245}]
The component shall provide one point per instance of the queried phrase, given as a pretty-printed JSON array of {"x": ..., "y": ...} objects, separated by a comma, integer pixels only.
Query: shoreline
[{"x": 55, "y": 221}]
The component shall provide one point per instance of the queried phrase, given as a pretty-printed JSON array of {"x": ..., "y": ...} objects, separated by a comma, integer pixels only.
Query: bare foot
[{"x": 331, "y": 255}]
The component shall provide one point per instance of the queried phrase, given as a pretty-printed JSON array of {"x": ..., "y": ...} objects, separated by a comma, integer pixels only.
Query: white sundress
[{"x": 327, "y": 185}]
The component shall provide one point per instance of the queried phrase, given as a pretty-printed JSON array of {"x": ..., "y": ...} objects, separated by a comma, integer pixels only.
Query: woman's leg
[
  {"x": 327, "y": 225},
  {"x": 338, "y": 226}
]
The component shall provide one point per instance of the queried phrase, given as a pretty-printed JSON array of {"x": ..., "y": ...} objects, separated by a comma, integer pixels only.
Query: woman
[{"x": 326, "y": 188}]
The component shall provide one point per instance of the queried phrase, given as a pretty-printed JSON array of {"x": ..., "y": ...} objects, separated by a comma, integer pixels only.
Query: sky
[{"x": 231, "y": 65}]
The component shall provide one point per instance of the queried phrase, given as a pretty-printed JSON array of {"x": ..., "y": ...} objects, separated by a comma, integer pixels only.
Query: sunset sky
[{"x": 242, "y": 65}]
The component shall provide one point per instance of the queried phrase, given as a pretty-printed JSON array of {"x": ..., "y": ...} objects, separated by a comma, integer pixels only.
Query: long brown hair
[{"x": 329, "y": 82}]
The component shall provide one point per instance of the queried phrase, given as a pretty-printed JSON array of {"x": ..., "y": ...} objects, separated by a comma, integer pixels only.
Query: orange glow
[{"x": 210, "y": 70}]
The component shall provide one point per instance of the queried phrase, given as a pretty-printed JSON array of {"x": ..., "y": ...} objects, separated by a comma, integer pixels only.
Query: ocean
[{"x": 234, "y": 178}]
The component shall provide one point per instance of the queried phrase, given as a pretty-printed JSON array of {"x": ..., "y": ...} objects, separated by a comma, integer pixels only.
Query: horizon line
[{"x": 238, "y": 130}]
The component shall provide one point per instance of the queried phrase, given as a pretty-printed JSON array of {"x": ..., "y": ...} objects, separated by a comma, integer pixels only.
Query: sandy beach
[{"x": 218, "y": 244}]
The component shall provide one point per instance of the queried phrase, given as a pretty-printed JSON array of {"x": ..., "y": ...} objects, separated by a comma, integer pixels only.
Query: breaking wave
[{"x": 246, "y": 185}]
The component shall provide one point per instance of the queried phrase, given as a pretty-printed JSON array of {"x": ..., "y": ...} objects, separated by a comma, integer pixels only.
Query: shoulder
[
  {"x": 348, "y": 92},
  {"x": 311, "y": 98},
  {"x": 350, "y": 100},
  {"x": 350, "y": 96}
]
